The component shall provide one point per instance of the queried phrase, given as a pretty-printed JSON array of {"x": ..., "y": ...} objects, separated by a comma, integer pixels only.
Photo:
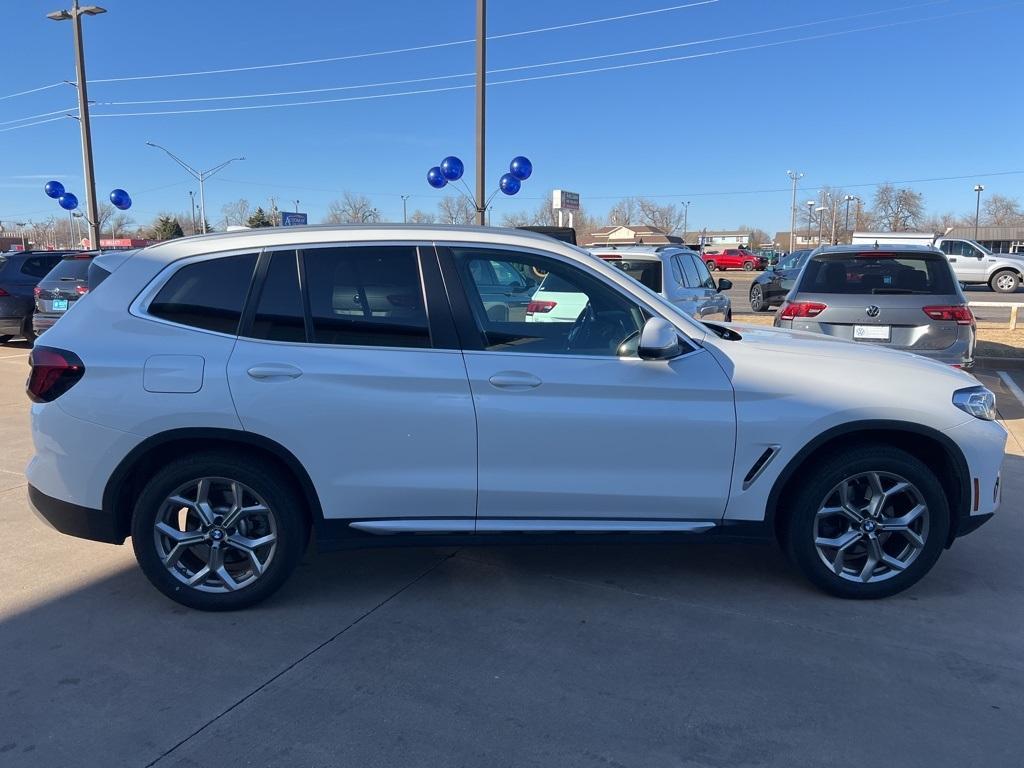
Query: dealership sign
[
  {"x": 290, "y": 219},
  {"x": 562, "y": 200}
]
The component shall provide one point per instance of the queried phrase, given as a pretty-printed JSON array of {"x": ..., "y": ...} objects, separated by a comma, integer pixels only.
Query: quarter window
[
  {"x": 39, "y": 266},
  {"x": 366, "y": 296},
  {"x": 689, "y": 270},
  {"x": 704, "y": 278},
  {"x": 566, "y": 311},
  {"x": 208, "y": 294},
  {"x": 279, "y": 315}
]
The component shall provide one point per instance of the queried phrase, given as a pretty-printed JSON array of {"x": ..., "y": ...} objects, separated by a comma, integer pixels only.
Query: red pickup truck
[{"x": 733, "y": 258}]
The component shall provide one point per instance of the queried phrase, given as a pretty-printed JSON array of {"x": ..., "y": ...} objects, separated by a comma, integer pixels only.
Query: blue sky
[{"x": 934, "y": 97}]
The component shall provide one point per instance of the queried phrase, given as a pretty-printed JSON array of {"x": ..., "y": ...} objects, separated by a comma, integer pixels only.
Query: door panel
[
  {"x": 603, "y": 437},
  {"x": 349, "y": 380}
]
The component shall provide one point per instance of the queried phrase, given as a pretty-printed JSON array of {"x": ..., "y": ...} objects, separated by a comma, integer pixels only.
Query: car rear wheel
[
  {"x": 868, "y": 522},
  {"x": 748, "y": 266},
  {"x": 218, "y": 532},
  {"x": 5, "y": 338},
  {"x": 711, "y": 266},
  {"x": 28, "y": 332},
  {"x": 1005, "y": 281},
  {"x": 757, "y": 301}
]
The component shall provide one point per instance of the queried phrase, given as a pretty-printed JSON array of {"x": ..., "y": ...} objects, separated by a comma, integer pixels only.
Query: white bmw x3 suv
[{"x": 219, "y": 398}]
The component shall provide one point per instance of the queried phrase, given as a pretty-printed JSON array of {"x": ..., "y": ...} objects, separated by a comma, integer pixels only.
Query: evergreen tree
[
  {"x": 167, "y": 228},
  {"x": 259, "y": 218}
]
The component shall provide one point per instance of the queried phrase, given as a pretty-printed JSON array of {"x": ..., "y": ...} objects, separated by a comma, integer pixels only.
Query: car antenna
[{"x": 876, "y": 245}]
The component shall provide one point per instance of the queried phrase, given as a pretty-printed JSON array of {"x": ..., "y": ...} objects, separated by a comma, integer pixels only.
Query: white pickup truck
[{"x": 973, "y": 263}]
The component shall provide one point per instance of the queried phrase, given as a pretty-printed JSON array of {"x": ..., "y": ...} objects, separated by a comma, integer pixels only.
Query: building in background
[
  {"x": 801, "y": 240},
  {"x": 997, "y": 239},
  {"x": 630, "y": 234},
  {"x": 718, "y": 239}
]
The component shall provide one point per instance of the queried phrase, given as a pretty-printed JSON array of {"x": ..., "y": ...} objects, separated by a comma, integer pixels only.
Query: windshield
[
  {"x": 646, "y": 271},
  {"x": 877, "y": 273},
  {"x": 794, "y": 260}
]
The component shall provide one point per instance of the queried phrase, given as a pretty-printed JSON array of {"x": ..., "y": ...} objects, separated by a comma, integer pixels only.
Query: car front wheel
[
  {"x": 757, "y": 301},
  {"x": 1005, "y": 281},
  {"x": 218, "y": 532},
  {"x": 867, "y": 522},
  {"x": 711, "y": 266},
  {"x": 748, "y": 266}
]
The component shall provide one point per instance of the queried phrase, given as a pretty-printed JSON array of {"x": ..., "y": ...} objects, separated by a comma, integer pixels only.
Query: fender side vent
[{"x": 758, "y": 467}]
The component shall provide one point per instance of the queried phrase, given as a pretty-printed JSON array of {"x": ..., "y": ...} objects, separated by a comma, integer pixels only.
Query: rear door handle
[
  {"x": 514, "y": 380},
  {"x": 274, "y": 371}
]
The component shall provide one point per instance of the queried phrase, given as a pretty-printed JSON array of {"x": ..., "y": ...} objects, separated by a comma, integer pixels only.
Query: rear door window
[
  {"x": 877, "y": 274},
  {"x": 39, "y": 266},
  {"x": 705, "y": 278},
  {"x": 368, "y": 296},
  {"x": 279, "y": 315},
  {"x": 207, "y": 294},
  {"x": 647, "y": 271}
]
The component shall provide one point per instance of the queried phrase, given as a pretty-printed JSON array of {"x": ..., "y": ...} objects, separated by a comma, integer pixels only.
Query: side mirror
[
  {"x": 659, "y": 340},
  {"x": 724, "y": 285}
]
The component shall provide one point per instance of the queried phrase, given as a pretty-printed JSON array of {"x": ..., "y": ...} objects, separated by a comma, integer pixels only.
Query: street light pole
[
  {"x": 810, "y": 218},
  {"x": 977, "y": 208},
  {"x": 91, "y": 206},
  {"x": 794, "y": 176},
  {"x": 686, "y": 216},
  {"x": 192, "y": 200},
  {"x": 481, "y": 107},
  {"x": 296, "y": 206},
  {"x": 821, "y": 221},
  {"x": 405, "y": 217},
  {"x": 848, "y": 199},
  {"x": 200, "y": 176}
]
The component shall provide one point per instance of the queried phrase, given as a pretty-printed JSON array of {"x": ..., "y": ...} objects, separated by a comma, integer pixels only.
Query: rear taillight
[
  {"x": 793, "y": 309},
  {"x": 37, "y": 291},
  {"x": 3, "y": 292},
  {"x": 540, "y": 307},
  {"x": 81, "y": 290},
  {"x": 54, "y": 372},
  {"x": 961, "y": 313}
]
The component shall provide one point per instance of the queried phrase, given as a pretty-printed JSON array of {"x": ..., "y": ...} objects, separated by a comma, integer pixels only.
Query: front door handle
[
  {"x": 517, "y": 381},
  {"x": 274, "y": 371}
]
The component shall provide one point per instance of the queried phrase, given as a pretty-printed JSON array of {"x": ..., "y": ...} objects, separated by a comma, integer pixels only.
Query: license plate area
[
  {"x": 872, "y": 333},
  {"x": 60, "y": 305}
]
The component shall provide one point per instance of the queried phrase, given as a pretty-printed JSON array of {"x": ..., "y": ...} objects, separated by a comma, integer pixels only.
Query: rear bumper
[
  {"x": 11, "y": 326},
  {"x": 43, "y": 322},
  {"x": 75, "y": 520}
]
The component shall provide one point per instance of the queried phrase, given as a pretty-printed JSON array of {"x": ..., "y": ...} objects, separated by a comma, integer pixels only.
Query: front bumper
[{"x": 75, "y": 520}]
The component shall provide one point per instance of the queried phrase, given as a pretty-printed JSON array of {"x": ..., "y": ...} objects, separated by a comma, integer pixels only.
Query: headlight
[{"x": 977, "y": 401}]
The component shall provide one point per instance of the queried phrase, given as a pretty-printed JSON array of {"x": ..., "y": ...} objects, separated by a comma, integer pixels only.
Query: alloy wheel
[
  {"x": 215, "y": 534},
  {"x": 871, "y": 527},
  {"x": 756, "y": 298},
  {"x": 1006, "y": 282}
]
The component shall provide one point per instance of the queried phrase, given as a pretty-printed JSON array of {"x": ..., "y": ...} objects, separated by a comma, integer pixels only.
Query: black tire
[
  {"x": 798, "y": 531},
  {"x": 711, "y": 266},
  {"x": 5, "y": 338},
  {"x": 1005, "y": 281},
  {"x": 748, "y": 266},
  {"x": 274, "y": 487},
  {"x": 757, "y": 300},
  {"x": 28, "y": 332}
]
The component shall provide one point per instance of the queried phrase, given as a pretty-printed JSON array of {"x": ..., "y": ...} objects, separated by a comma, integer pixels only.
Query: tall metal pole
[
  {"x": 91, "y": 207},
  {"x": 686, "y": 215},
  {"x": 810, "y": 219},
  {"x": 848, "y": 199},
  {"x": 192, "y": 199},
  {"x": 405, "y": 216},
  {"x": 481, "y": 106},
  {"x": 794, "y": 176},
  {"x": 977, "y": 208},
  {"x": 835, "y": 209}
]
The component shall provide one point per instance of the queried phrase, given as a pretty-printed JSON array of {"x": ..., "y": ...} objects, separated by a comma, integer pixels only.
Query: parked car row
[{"x": 37, "y": 288}]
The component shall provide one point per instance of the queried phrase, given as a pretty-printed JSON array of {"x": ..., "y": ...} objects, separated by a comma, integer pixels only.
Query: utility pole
[
  {"x": 91, "y": 206},
  {"x": 405, "y": 216},
  {"x": 686, "y": 214},
  {"x": 794, "y": 176},
  {"x": 200, "y": 176},
  {"x": 848, "y": 199},
  {"x": 481, "y": 107},
  {"x": 810, "y": 218},
  {"x": 835, "y": 209},
  {"x": 296, "y": 206},
  {"x": 192, "y": 199},
  {"x": 821, "y": 220},
  {"x": 977, "y": 209}
]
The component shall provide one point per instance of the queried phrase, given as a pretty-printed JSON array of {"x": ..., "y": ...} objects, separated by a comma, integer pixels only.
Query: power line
[
  {"x": 29, "y": 125},
  {"x": 557, "y": 75},
  {"x": 41, "y": 114},
  {"x": 32, "y": 90},
  {"x": 502, "y": 70}
]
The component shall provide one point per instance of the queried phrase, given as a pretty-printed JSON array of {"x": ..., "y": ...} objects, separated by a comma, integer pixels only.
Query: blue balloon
[
  {"x": 452, "y": 168},
  {"x": 121, "y": 199},
  {"x": 435, "y": 178},
  {"x": 54, "y": 189},
  {"x": 521, "y": 168},
  {"x": 509, "y": 184},
  {"x": 67, "y": 201}
]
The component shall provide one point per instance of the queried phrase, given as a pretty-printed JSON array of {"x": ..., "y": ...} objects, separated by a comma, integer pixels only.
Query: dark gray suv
[
  {"x": 20, "y": 272},
  {"x": 898, "y": 296},
  {"x": 63, "y": 286}
]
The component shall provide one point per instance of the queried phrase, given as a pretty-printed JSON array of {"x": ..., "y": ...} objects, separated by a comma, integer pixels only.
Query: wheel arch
[
  {"x": 929, "y": 445},
  {"x": 137, "y": 467}
]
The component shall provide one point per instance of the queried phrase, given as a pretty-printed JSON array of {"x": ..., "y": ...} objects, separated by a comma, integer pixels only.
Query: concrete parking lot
[{"x": 666, "y": 655}]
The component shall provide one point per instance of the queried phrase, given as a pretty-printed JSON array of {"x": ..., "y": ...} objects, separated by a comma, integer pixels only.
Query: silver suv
[
  {"x": 899, "y": 296},
  {"x": 676, "y": 273}
]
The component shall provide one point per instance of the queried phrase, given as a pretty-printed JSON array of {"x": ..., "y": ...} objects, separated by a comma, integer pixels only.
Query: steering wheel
[
  {"x": 594, "y": 334},
  {"x": 579, "y": 333}
]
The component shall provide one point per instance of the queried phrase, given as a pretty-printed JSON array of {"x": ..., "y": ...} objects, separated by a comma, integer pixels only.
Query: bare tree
[
  {"x": 352, "y": 209},
  {"x": 105, "y": 211},
  {"x": 456, "y": 209},
  {"x": 897, "y": 209},
  {"x": 665, "y": 217},
  {"x": 941, "y": 222},
  {"x": 546, "y": 216},
  {"x": 119, "y": 224},
  {"x": 236, "y": 213},
  {"x": 758, "y": 237},
  {"x": 624, "y": 212},
  {"x": 1002, "y": 211},
  {"x": 421, "y": 217}
]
